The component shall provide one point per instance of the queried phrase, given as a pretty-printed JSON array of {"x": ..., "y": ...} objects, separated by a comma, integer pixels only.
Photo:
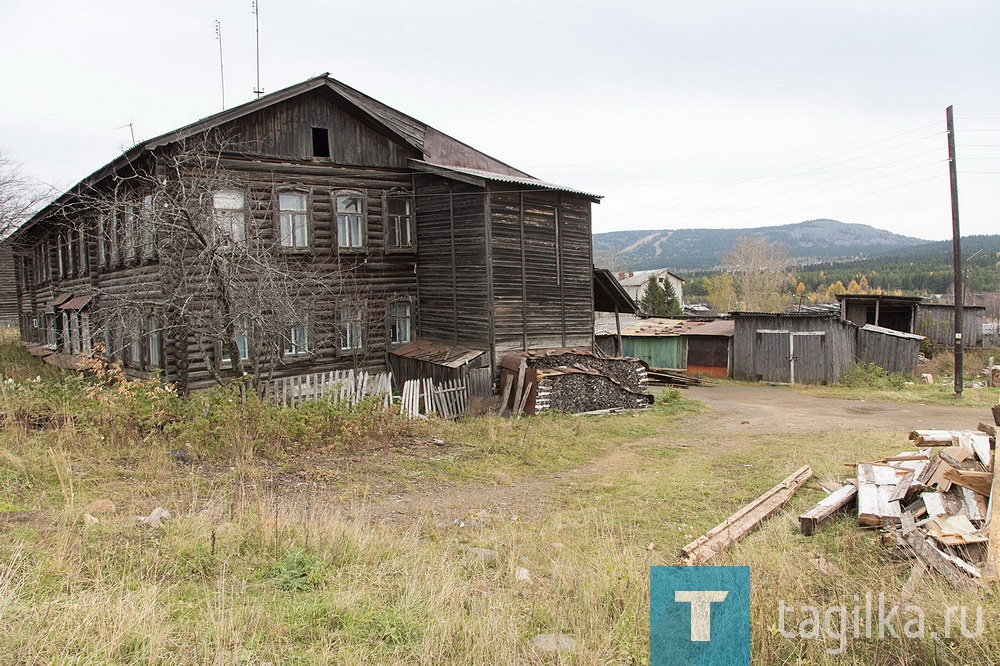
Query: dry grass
[{"x": 249, "y": 572}]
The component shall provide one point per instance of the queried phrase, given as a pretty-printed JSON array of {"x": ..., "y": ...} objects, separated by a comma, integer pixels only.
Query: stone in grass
[
  {"x": 155, "y": 519},
  {"x": 484, "y": 555},
  {"x": 89, "y": 520},
  {"x": 522, "y": 575},
  {"x": 553, "y": 642},
  {"x": 101, "y": 506}
]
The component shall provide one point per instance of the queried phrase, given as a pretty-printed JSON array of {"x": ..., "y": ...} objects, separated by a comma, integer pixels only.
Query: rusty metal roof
[
  {"x": 75, "y": 303},
  {"x": 439, "y": 353}
]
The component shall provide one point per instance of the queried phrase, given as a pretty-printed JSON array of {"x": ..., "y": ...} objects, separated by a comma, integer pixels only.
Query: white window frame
[
  {"x": 293, "y": 223},
  {"x": 350, "y": 322},
  {"x": 352, "y": 226},
  {"x": 295, "y": 341},
  {"x": 229, "y": 213}
]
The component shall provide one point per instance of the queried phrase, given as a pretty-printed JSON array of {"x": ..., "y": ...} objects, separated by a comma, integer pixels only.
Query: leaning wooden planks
[{"x": 741, "y": 523}]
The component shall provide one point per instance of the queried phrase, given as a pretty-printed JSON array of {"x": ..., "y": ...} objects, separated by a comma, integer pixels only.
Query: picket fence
[
  {"x": 336, "y": 385},
  {"x": 420, "y": 397}
]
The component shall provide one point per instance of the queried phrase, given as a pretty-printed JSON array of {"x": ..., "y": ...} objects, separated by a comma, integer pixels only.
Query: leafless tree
[
  {"x": 225, "y": 283},
  {"x": 758, "y": 269},
  {"x": 20, "y": 195}
]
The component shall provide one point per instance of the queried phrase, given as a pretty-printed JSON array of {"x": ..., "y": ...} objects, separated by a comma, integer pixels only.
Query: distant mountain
[{"x": 702, "y": 249}]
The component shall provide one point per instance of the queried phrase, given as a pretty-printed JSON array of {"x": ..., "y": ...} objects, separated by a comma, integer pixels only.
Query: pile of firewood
[{"x": 934, "y": 503}]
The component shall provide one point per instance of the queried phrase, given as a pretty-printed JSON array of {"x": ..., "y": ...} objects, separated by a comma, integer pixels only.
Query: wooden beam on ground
[
  {"x": 741, "y": 523},
  {"x": 993, "y": 518},
  {"x": 934, "y": 437},
  {"x": 826, "y": 509}
]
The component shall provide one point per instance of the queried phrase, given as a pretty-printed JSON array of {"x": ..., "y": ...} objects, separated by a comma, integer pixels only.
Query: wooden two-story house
[{"x": 376, "y": 241}]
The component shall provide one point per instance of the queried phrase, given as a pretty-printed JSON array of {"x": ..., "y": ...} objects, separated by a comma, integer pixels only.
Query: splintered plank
[
  {"x": 741, "y": 523},
  {"x": 955, "y": 569},
  {"x": 826, "y": 509},
  {"x": 876, "y": 488}
]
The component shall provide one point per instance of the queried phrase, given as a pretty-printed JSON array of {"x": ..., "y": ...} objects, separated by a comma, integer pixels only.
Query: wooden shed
[
  {"x": 898, "y": 313},
  {"x": 792, "y": 348},
  {"x": 936, "y": 321},
  {"x": 709, "y": 347},
  {"x": 895, "y": 351}
]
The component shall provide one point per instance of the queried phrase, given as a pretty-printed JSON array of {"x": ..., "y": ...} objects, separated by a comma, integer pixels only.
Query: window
[
  {"x": 242, "y": 341},
  {"x": 351, "y": 329},
  {"x": 135, "y": 339},
  {"x": 296, "y": 340},
  {"x": 82, "y": 262},
  {"x": 154, "y": 344},
  {"x": 293, "y": 219},
  {"x": 131, "y": 224},
  {"x": 85, "y": 344},
  {"x": 398, "y": 222},
  {"x": 147, "y": 228},
  {"x": 351, "y": 219},
  {"x": 60, "y": 255},
  {"x": 321, "y": 142},
  {"x": 230, "y": 216},
  {"x": 400, "y": 323},
  {"x": 102, "y": 241}
]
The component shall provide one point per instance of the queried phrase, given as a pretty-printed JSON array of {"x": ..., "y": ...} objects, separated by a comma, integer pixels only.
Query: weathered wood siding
[
  {"x": 542, "y": 270},
  {"x": 452, "y": 269},
  {"x": 937, "y": 324},
  {"x": 284, "y": 131},
  {"x": 892, "y": 352},
  {"x": 760, "y": 355},
  {"x": 8, "y": 288}
]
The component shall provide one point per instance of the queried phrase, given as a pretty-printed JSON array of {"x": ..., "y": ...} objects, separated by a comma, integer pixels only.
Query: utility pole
[
  {"x": 256, "y": 17},
  {"x": 956, "y": 244},
  {"x": 222, "y": 68}
]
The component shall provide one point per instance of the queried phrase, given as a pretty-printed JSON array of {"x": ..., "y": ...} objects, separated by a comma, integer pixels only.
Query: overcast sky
[{"x": 682, "y": 114}]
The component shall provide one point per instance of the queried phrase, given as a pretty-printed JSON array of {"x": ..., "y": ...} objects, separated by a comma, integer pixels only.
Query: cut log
[
  {"x": 988, "y": 429},
  {"x": 741, "y": 523},
  {"x": 826, "y": 509},
  {"x": 996, "y": 414}
]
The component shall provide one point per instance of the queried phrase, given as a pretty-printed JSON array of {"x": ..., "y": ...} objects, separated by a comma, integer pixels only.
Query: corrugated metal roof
[
  {"x": 478, "y": 174},
  {"x": 718, "y": 327}
]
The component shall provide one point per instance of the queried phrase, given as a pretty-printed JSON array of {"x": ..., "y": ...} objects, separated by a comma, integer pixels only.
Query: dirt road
[{"x": 783, "y": 410}]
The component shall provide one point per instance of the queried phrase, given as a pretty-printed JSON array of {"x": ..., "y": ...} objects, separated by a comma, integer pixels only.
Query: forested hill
[
  {"x": 814, "y": 241},
  {"x": 926, "y": 269}
]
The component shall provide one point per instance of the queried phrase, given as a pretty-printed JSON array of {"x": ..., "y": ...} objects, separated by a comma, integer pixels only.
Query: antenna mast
[
  {"x": 222, "y": 68},
  {"x": 255, "y": 4}
]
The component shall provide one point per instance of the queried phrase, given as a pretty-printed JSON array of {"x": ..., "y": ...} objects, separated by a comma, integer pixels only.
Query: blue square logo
[{"x": 699, "y": 616}]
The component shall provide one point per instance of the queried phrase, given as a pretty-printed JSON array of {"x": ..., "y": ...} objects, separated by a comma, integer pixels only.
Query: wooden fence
[
  {"x": 337, "y": 386},
  {"x": 422, "y": 397}
]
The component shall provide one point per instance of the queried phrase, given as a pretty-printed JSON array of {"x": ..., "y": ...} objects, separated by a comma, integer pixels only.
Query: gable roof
[
  {"x": 435, "y": 146},
  {"x": 639, "y": 278}
]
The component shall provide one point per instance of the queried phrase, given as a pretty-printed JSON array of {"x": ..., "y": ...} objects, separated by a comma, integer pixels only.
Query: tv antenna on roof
[
  {"x": 255, "y": 7},
  {"x": 222, "y": 69}
]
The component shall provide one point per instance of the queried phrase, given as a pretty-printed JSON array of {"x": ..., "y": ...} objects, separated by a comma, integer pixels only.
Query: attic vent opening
[{"x": 321, "y": 142}]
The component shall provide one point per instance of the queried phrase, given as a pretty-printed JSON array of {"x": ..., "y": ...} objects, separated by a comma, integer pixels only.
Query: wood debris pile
[{"x": 934, "y": 502}]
